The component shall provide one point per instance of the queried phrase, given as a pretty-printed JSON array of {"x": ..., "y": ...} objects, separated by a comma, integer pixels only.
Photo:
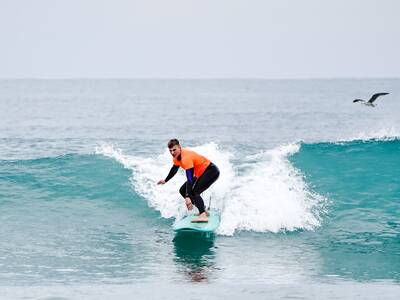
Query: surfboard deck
[{"x": 185, "y": 224}]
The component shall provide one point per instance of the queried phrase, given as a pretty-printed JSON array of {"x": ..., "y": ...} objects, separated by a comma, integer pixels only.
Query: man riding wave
[{"x": 201, "y": 173}]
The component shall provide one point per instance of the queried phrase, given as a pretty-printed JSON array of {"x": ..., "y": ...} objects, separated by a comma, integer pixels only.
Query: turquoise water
[
  {"x": 361, "y": 179},
  {"x": 309, "y": 192}
]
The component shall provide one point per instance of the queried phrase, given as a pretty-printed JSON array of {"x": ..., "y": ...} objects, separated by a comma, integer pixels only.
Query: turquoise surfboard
[{"x": 185, "y": 224}]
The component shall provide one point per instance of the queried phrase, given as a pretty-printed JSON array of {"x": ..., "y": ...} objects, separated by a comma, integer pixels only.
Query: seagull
[{"x": 370, "y": 102}]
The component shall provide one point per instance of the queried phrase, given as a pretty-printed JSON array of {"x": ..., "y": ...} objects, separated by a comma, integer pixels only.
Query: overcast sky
[{"x": 199, "y": 38}]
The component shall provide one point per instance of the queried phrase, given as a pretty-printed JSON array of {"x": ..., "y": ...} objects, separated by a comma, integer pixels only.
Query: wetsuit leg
[
  {"x": 209, "y": 176},
  {"x": 182, "y": 190}
]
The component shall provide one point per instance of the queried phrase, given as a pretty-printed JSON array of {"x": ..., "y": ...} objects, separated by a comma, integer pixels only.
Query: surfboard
[{"x": 185, "y": 224}]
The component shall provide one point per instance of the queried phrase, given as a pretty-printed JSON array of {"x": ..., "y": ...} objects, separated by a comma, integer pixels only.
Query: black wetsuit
[{"x": 193, "y": 187}]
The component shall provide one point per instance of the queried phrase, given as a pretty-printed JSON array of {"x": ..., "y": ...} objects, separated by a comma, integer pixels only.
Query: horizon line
[{"x": 202, "y": 78}]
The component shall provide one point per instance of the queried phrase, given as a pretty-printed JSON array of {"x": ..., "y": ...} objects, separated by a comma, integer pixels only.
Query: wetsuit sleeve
[
  {"x": 172, "y": 172},
  {"x": 189, "y": 182}
]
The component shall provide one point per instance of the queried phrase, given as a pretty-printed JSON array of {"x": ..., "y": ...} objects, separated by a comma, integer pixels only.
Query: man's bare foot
[
  {"x": 207, "y": 213},
  {"x": 203, "y": 218}
]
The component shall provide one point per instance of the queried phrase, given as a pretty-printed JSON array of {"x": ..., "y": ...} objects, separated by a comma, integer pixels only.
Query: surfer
[{"x": 201, "y": 173}]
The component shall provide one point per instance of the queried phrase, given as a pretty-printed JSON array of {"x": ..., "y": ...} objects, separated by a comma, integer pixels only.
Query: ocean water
[{"x": 309, "y": 192}]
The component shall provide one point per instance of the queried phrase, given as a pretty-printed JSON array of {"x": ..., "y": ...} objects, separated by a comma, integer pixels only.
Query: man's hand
[
  {"x": 189, "y": 203},
  {"x": 162, "y": 181}
]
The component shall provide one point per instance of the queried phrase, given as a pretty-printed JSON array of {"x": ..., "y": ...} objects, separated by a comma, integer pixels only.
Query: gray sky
[{"x": 199, "y": 38}]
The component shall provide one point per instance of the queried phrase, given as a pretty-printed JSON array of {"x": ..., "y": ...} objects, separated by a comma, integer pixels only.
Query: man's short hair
[{"x": 173, "y": 142}]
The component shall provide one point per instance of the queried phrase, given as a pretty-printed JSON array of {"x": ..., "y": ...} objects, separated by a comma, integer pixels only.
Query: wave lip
[
  {"x": 272, "y": 196},
  {"x": 382, "y": 134}
]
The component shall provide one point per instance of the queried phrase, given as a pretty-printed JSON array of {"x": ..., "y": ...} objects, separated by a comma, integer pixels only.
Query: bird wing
[
  {"x": 373, "y": 98},
  {"x": 358, "y": 100}
]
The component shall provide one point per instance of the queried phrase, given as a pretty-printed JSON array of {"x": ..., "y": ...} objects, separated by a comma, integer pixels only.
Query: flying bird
[{"x": 370, "y": 102}]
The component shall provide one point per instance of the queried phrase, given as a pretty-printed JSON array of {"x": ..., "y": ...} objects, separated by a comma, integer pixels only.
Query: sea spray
[{"x": 271, "y": 196}]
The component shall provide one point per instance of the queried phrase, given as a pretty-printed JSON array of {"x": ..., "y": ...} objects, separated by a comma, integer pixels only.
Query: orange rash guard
[{"x": 190, "y": 159}]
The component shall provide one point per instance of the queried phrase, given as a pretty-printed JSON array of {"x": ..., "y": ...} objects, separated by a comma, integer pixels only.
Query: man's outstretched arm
[{"x": 171, "y": 174}]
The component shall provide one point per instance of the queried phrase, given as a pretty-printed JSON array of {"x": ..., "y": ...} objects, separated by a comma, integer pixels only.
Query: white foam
[
  {"x": 382, "y": 134},
  {"x": 166, "y": 198},
  {"x": 271, "y": 196},
  {"x": 264, "y": 192}
]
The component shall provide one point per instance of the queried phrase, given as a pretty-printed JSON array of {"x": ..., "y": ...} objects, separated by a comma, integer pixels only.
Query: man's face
[{"x": 175, "y": 151}]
